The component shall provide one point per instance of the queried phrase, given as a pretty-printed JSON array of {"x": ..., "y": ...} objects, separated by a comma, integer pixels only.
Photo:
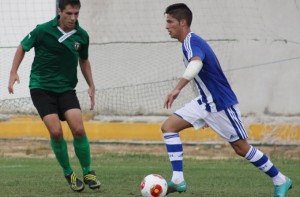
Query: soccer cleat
[
  {"x": 75, "y": 183},
  {"x": 91, "y": 180},
  {"x": 281, "y": 190},
  {"x": 172, "y": 187}
]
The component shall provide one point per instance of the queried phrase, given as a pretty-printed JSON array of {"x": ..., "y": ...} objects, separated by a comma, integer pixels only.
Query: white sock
[
  {"x": 279, "y": 179},
  {"x": 177, "y": 177}
]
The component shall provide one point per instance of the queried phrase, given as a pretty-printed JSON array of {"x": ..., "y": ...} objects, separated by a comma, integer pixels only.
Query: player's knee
[
  {"x": 78, "y": 132},
  {"x": 240, "y": 152},
  {"x": 56, "y": 135},
  {"x": 165, "y": 128},
  {"x": 241, "y": 147}
]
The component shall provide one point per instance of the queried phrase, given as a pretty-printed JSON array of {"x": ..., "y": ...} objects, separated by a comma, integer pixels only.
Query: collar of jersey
[{"x": 65, "y": 35}]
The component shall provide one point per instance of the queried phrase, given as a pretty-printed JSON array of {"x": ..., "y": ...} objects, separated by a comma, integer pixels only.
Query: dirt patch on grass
[{"x": 40, "y": 148}]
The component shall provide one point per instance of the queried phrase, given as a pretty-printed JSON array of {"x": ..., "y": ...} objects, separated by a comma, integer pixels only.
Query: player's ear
[
  {"x": 59, "y": 11},
  {"x": 182, "y": 22}
]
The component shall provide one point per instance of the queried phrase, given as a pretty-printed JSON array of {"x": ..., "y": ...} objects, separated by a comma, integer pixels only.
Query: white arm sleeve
[{"x": 192, "y": 69}]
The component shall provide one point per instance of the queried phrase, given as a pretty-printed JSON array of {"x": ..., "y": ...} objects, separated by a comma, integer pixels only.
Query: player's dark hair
[
  {"x": 180, "y": 11},
  {"x": 63, "y": 3}
]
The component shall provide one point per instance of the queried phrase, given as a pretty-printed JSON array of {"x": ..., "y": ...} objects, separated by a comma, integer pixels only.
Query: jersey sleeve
[
  {"x": 195, "y": 49},
  {"x": 84, "y": 51},
  {"x": 30, "y": 40}
]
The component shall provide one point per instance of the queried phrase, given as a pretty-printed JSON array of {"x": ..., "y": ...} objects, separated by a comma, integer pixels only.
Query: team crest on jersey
[{"x": 77, "y": 45}]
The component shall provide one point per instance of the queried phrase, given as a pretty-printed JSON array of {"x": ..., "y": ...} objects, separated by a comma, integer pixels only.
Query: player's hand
[
  {"x": 170, "y": 98},
  {"x": 14, "y": 77},
  {"x": 92, "y": 96}
]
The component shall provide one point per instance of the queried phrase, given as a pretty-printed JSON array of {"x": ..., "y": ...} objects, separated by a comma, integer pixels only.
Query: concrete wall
[
  {"x": 262, "y": 60},
  {"x": 258, "y": 44}
]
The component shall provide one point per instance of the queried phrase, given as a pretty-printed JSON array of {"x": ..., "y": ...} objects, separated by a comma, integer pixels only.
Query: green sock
[
  {"x": 60, "y": 150},
  {"x": 82, "y": 150}
]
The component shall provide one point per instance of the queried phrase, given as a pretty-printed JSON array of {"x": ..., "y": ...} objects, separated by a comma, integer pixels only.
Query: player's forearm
[
  {"x": 19, "y": 55},
  {"x": 181, "y": 84},
  {"x": 88, "y": 78},
  {"x": 87, "y": 72}
]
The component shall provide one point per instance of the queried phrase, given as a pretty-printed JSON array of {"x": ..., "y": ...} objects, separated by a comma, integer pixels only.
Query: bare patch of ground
[{"x": 40, "y": 148}]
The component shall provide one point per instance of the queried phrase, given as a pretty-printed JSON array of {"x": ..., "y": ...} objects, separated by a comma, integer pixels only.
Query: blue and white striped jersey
[{"x": 214, "y": 89}]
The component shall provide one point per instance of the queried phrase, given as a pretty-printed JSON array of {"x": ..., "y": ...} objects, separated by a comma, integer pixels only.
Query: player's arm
[
  {"x": 19, "y": 55},
  {"x": 190, "y": 72},
  {"x": 86, "y": 70}
]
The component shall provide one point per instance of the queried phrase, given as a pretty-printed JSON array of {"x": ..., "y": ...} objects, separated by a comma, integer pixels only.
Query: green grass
[{"x": 121, "y": 176}]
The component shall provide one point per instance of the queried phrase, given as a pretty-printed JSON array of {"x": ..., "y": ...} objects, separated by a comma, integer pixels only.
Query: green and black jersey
[{"x": 54, "y": 67}]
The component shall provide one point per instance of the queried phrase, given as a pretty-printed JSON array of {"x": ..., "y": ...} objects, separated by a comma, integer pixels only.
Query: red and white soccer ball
[{"x": 154, "y": 185}]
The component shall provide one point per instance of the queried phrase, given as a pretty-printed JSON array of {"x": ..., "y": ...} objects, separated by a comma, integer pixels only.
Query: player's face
[
  {"x": 68, "y": 17},
  {"x": 173, "y": 26}
]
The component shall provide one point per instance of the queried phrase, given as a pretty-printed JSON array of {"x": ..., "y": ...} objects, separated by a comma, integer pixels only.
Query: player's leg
[
  {"x": 46, "y": 105},
  {"x": 258, "y": 159},
  {"x": 171, "y": 128},
  {"x": 230, "y": 127},
  {"x": 281, "y": 182},
  {"x": 58, "y": 143},
  {"x": 60, "y": 149},
  {"x": 190, "y": 115},
  {"x": 80, "y": 141},
  {"x": 70, "y": 108}
]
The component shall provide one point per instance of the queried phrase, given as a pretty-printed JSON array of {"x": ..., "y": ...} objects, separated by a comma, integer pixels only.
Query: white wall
[
  {"x": 258, "y": 43},
  {"x": 262, "y": 63}
]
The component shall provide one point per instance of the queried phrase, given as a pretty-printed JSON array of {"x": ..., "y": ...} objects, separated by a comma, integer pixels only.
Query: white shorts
[{"x": 227, "y": 123}]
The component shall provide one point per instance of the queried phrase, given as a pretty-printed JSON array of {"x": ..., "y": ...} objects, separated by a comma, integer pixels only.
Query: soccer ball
[{"x": 154, "y": 185}]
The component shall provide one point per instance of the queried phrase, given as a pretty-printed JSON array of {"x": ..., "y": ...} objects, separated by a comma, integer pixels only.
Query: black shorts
[{"x": 47, "y": 102}]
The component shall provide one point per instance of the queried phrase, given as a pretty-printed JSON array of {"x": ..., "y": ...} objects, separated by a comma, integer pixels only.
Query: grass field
[{"x": 121, "y": 175}]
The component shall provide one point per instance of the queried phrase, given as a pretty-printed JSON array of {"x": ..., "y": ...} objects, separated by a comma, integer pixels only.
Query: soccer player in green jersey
[{"x": 59, "y": 45}]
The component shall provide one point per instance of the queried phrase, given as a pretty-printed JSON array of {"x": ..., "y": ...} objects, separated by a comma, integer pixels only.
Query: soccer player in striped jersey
[{"x": 216, "y": 105}]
